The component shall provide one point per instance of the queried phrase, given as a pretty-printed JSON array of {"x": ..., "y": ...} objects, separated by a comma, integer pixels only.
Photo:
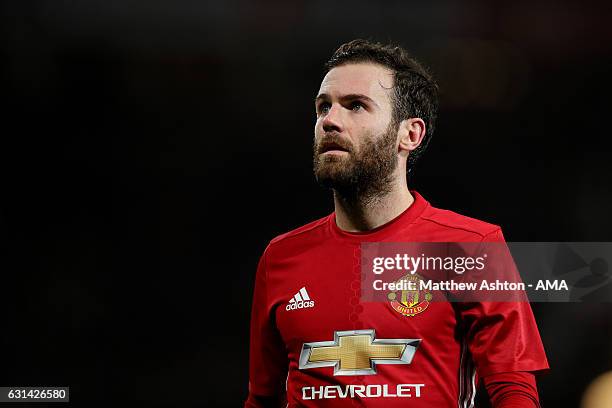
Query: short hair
[{"x": 415, "y": 92}]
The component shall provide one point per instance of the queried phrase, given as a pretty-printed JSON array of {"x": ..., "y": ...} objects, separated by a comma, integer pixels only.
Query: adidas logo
[{"x": 300, "y": 300}]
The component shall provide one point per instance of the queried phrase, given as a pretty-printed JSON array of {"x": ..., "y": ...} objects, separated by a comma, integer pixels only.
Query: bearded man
[{"x": 314, "y": 341}]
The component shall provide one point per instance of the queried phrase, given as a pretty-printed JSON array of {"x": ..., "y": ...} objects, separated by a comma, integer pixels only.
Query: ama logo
[{"x": 300, "y": 300}]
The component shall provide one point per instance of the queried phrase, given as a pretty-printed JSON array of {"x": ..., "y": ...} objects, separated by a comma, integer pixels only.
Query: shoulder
[
  {"x": 458, "y": 224},
  {"x": 300, "y": 232},
  {"x": 299, "y": 239}
]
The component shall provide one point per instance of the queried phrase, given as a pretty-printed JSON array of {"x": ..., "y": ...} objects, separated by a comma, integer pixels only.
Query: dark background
[{"x": 151, "y": 149}]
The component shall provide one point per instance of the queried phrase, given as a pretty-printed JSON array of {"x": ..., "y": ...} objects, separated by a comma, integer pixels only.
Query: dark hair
[{"x": 415, "y": 93}]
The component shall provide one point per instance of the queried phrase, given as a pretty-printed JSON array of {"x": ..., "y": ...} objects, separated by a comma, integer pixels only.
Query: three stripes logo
[{"x": 300, "y": 300}]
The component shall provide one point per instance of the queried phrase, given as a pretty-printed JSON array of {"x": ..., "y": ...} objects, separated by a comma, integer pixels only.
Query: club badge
[{"x": 412, "y": 301}]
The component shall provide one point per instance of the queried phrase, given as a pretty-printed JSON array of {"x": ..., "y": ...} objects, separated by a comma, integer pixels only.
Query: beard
[{"x": 365, "y": 174}]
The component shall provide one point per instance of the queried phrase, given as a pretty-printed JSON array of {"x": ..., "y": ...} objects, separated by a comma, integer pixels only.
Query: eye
[
  {"x": 323, "y": 108},
  {"x": 356, "y": 106}
]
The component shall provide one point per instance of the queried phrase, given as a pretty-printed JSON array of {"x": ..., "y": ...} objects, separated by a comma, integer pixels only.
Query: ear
[{"x": 411, "y": 133}]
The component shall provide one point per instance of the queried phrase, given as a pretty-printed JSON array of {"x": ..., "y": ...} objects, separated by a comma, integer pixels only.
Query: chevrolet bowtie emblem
[{"x": 357, "y": 352}]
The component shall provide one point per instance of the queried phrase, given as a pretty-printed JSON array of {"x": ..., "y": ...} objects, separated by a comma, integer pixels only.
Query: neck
[{"x": 359, "y": 214}]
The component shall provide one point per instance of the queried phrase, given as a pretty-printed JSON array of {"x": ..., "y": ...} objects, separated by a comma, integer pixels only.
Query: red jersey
[{"x": 313, "y": 338}]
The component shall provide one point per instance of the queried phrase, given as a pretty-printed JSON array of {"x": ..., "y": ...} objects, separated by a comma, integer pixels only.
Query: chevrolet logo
[{"x": 357, "y": 352}]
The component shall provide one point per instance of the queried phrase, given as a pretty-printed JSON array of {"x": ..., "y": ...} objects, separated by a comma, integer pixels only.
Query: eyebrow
[{"x": 348, "y": 98}]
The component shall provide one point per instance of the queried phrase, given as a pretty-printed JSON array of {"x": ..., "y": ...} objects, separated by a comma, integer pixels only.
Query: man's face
[{"x": 355, "y": 146}]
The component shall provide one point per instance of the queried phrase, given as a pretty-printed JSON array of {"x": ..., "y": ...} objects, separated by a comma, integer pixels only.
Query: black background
[{"x": 151, "y": 149}]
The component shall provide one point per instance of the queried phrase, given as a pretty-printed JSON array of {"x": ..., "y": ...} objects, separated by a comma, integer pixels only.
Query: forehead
[{"x": 369, "y": 79}]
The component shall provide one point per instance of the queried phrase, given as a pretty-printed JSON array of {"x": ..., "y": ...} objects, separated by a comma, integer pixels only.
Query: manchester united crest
[{"x": 410, "y": 302}]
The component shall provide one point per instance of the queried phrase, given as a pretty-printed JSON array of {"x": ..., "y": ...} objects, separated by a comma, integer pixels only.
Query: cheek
[
  {"x": 366, "y": 132},
  {"x": 369, "y": 123},
  {"x": 318, "y": 131},
  {"x": 319, "y": 124}
]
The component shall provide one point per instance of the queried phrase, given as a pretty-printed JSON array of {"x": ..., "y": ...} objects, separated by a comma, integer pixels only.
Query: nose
[{"x": 333, "y": 120}]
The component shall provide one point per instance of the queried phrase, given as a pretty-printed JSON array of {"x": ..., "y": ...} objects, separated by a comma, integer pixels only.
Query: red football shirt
[{"x": 307, "y": 317}]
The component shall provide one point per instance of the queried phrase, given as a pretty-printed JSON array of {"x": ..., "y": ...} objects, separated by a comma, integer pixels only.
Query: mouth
[{"x": 332, "y": 148}]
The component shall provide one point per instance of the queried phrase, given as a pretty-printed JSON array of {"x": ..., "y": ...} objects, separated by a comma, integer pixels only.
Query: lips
[{"x": 331, "y": 147}]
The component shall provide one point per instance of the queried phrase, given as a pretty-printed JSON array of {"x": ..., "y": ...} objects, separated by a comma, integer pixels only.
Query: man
[{"x": 314, "y": 342}]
